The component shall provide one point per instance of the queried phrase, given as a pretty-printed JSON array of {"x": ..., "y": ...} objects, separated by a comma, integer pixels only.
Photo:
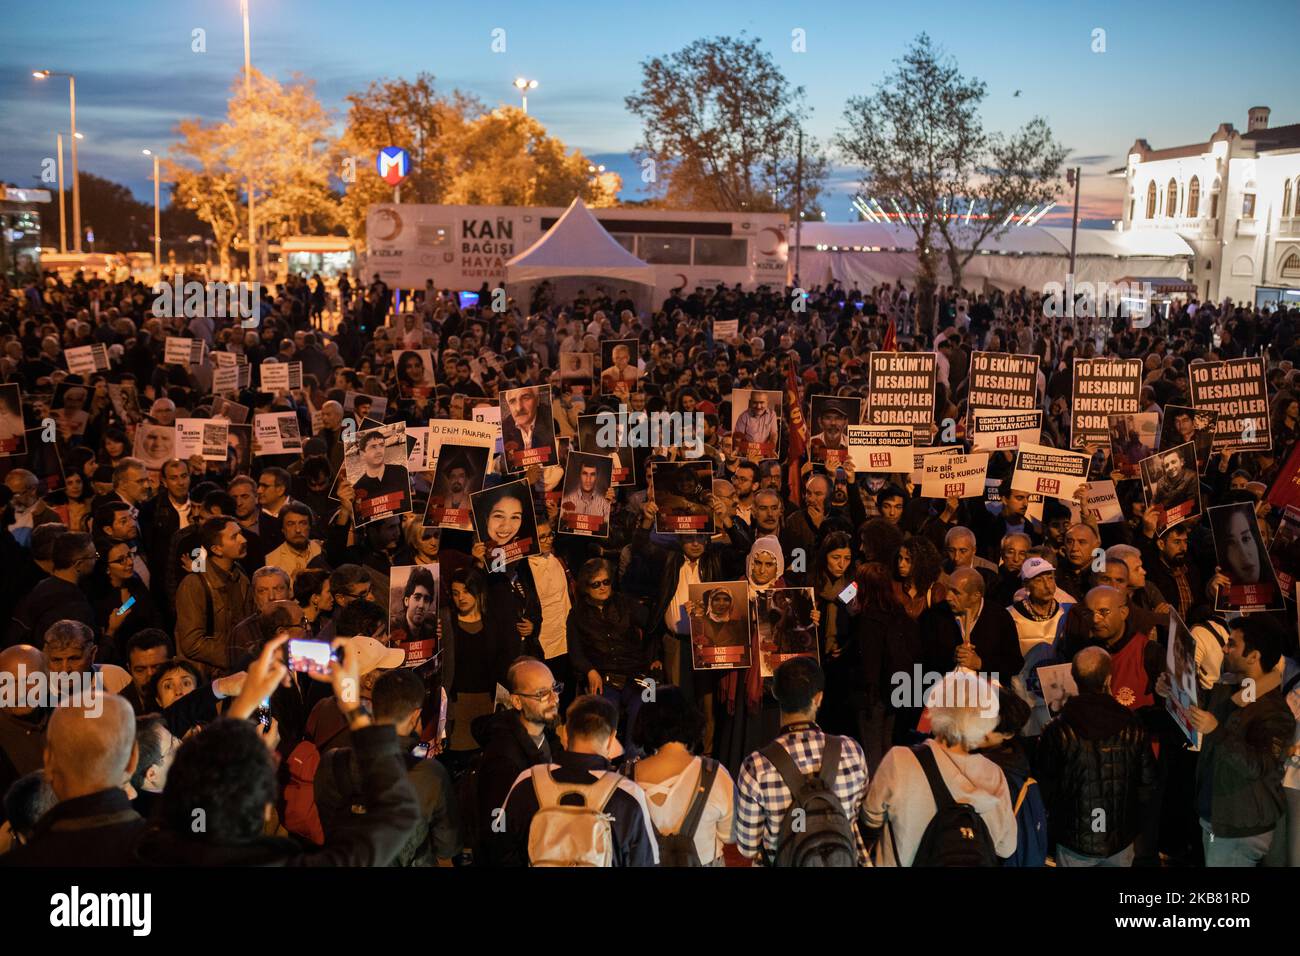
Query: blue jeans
[
  {"x": 1234, "y": 851},
  {"x": 628, "y": 701},
  {"x": 1067, "y": 857}
]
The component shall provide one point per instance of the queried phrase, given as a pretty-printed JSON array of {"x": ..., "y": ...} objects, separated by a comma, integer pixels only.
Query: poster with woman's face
[
  {"x": 414, "y": 372},
  {"x": 154, "y": 444},
  {"x": 1240, "y": 553},
  {"x": 720, "y": 626},
  {"x": 239, "y": 442},
  {"x": 505, "y": 523},
  {"x": 1180, "y": 662},
  {"x": 13, "y": 435}
]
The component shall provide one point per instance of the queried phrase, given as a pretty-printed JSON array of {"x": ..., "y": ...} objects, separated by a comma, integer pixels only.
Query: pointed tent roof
[{"x": 578, "y": 245}]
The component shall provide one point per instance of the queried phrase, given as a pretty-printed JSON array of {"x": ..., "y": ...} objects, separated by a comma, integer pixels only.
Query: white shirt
[
  {"x": 669, "y": 800},
  {"x": 553, "y": 592}
]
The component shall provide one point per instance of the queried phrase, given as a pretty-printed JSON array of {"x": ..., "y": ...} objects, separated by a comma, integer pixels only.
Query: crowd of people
[{"x": 297, "y": 657}]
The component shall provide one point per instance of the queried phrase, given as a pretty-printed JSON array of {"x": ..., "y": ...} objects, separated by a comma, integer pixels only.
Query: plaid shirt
[{"x": 762, "y": 798}]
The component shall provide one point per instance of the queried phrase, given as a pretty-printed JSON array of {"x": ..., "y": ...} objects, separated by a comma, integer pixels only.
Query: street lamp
[
  {"x": 157, "y": 215},
  {"x": 248, "y": 95},
  {"x": 523, "y": 86},
  {"x": 63, "y": 211},
  {"x": 76, "y": 185}
]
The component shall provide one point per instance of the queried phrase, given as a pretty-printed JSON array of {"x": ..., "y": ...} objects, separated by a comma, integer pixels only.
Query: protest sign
[
  {"x": 201, "y": 436},
  {"x": 1102, "y": 387},
  {"x": 720, "y": 625},
  {"x": 900, "y": 390},
  {"x": 1241, "y": 555},
  {"x": 1053, "y": 472},
  {"x": 954, "y": 476},
  {"x": 783, "y": 622},
  {"x": 1005, "y": 431},
  {"x": 883, "y": 449},
  {"x": 1237, "y": 390},
  {"x": 276, "y": 433},
  {"x": 86, "y": 360},
  {"x": 1003, "y": 382}
]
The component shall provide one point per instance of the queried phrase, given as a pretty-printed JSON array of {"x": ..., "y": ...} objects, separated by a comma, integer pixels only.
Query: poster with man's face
[
  {"x": 831, "y": 417},
  {"x": 1132, "y": 438},
  {"x": 71, "y": 404},
  {"x": 681, "y": 491},
  {"x": 413, "y": 613},
  {"x": 459, "y": 473},
  {"x": 527, "y": 428},
  {"x": 755, "y": 423},
  {"x": 594, "y": 434},
  {"x": 1182, "y": 424},
  {"x": 577, "y": 372},
  {"x": 584, "y": 507},
  {"x": 1240, "y": 553},
  {"x": 1172, "y": 485},
  {"x": 720, "y": 626},
  {"x": 619, "y": 370},
  {"x": 375, "y": 464},
  {"x": 239, "y": 449}
]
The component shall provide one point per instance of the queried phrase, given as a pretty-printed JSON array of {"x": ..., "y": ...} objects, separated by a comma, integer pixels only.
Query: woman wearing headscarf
[{"x": 748, "y": 715}]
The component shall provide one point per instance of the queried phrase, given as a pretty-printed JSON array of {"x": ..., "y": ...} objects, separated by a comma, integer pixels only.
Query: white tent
[{"x": 578, "y": 246}]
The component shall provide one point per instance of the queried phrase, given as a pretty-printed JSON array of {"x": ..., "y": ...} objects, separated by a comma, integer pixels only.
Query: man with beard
[
  {"x": 828, "y": 444},
  {"x": 1168, "y": 568},
  {"x": 415, "y": 631},
  {"x": 450, "y": 501},
  {"x": 513, "y": 741},
  {"x": 1176, "y": 484},
  {"x": 299, "y": 549}
]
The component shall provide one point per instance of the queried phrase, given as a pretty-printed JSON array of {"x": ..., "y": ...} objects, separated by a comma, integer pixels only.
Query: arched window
[
  {"x": 1291, "y": 267},
  {"x": 1171, "y": 200},
  {"x": 1193, "y": 197},
  {"x": 1151, "y": 200}
]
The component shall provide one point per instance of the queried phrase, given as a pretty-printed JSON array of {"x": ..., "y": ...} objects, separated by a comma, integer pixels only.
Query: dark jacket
[
  {"x": 99, "y": 829},
  {"x": 884, "y": 643},
  {"x": 54, "y": 599},
  {"x": 631, "y": 830},
  {"x": 610, "y": 639},
  {"x": 375, "y": 838},
  {"x": 507, "y": 752},
  {"x": 994, "y": 638},
  {"x": 1239, "y": 771},
  {"x": 22, "y": 746},
  {"x": 1095, "y": 756}
]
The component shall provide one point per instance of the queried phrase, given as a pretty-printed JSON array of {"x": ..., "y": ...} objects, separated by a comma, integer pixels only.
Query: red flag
[
  {"x": 798, "y": 432},
  {"x": 891, "y": 337}
]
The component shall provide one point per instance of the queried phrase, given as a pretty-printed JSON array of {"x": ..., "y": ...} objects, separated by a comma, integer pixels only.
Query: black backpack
[
  {"x": 956, "y": 834},
  {"x": 824, "y": 835},
  {"x": 678, "y": 849}
]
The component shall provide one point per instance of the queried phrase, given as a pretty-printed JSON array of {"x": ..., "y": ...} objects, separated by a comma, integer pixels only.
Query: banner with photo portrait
[
  {"x": 783, "y": 622},
  {"x": 584, "y": 509},
  {"x": 680, "y": 491},
  {"x": 756, "y": 423},
  {"x": 619, "y": 368},
  {"x": 1172, "y": 485},
  {"x": 1051, "y": 472},
  {"x": 527, "y": 427},
  {"x": 592, "y": 428},
  {"x": 239, "y": 448},
  {"x": 505, "y": 522},
  {"x": 1133, "y": 437},
  {"x": 459, "y": 473},
  {"x": 831, "y": 417},
  {"x": 1102, "y": 387},
  {"x": 1240, "y": 553},
  {"x": 577, "y": 373},
  {"x": 1183, "y": 423},
  {"x": 413, "y": 613},
  {"x": 1184, "y": 685},
  {"x": 414, "y": 371},
  {"x": 900, "y": 391},
  {"x": 374, "y": 462},
  {"x": 13, "y": 433},
  {"x": 154, "y": 444},
  {"x": 1284, "y": 551},
  {"x": 720, "y": 626},
  {"x": 1238, "y": 391},
  {"x": 1000, "y": 381}
]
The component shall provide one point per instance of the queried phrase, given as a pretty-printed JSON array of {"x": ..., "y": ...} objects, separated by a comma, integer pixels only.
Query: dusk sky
[{"x": 1170, "y": 72}]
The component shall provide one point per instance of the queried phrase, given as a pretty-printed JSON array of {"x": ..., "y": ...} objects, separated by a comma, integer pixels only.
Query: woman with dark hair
[
  {"x": 917, "y": 569},
  {"x": 72, "y": 502},
  {"x": 482, "y": 644},
  {"x": 885, "y": 644},
  {"x": 410, "y": 374},
  {"x": 679, "y": 785},
  {"x": 170, "y": 683},
  {"x": 606, "y": 633},
  {"x": 114, "y": 446},
  {"x": 122, "y": 602},
  {"x": 832, "y": 572}
]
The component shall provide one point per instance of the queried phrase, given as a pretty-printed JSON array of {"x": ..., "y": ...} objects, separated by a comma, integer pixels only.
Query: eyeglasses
[
  {"x": 545, "y": 536},
  {"x": 555, "y": 690},
  {"x": 127, "y": 558},
  {"x": 600, "y": 583}
]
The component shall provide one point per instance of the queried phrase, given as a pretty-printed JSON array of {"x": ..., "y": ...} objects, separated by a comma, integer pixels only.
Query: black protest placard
[
  {"x": 1102, "y": 387},
  {"x": 900, "y": 390},
  {"x": 1001, "y": 381},
  {"x": 1236, "y": 389}
]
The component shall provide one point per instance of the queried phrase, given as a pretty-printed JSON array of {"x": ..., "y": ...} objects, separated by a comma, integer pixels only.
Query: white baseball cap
[{"x": 1033, "y": 567}]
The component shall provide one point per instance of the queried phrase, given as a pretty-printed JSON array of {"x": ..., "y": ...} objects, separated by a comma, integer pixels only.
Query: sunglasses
[{"x": 600, "y": 583}]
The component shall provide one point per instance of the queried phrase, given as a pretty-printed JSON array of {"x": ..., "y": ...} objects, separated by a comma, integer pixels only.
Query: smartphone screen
[
  {"x": 309, "y": 657},
  {"x": 849, "y": 593}
]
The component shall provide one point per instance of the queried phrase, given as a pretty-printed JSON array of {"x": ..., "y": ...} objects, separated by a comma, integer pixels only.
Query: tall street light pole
[
  {"x": 76, "y": 184},
  {"x": 157, "y": 215},
  {"x": 248, "y": 95},
  {"x": 63, "y": 212},
  {"x": 523, "y": 86}
]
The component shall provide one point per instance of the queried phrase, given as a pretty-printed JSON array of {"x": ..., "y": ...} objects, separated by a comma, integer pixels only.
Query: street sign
[{"x": 393, "y": 164}]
